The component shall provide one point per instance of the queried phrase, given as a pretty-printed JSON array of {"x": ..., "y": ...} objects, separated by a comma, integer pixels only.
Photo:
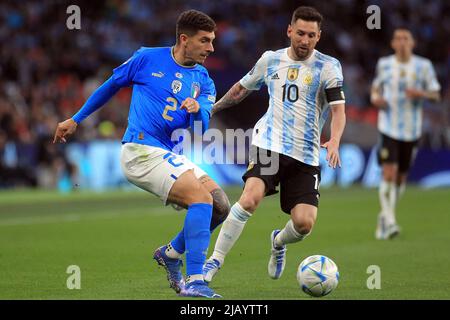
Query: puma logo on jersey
[{"x": 158, "y": 74}]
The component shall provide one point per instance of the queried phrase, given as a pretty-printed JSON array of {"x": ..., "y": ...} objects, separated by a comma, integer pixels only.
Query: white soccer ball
[{"x": 317, "y": 275}]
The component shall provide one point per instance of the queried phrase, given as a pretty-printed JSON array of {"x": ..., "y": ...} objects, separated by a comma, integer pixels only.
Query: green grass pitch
[{"x": 111, "y": 237}]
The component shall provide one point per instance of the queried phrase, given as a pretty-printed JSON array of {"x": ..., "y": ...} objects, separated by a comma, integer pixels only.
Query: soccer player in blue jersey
[
  {"x": 171, "y": 90},
  {"x": 403, "y": 81},
  {"x": 304, "y": 87}
]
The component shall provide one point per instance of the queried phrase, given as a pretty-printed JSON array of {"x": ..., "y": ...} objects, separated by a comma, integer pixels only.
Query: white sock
[
  {"x": 172, "y": 253},
  {"x": 194, "y": 277},
  {"x": 401, "y": 190},
  {"x": 383, "y": 193},
  {"x": 387, "y": 193},
  {"x": 288, "y": 235},
  {"x": 231, "y": 230},
  {"x": 392, "y": 204}
]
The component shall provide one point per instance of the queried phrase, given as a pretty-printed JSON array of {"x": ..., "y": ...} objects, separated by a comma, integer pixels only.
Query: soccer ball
[{"x": 317, "y": 275}]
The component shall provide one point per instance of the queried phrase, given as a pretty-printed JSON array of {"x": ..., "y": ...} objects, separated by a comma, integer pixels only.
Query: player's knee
[
  {"x": 402, "y": 178},
  {"x": 198, "y": 194},
  {"x": 221, "y": 205},
  {"x": 390, "y": 177},
  {"x": 205, "y": 197},
  {"x": 304, "y": 224},
  {"x": 249, "y": 202},
  {"x": 390, "y": 173},
  {"x": 305, "y": 227}
]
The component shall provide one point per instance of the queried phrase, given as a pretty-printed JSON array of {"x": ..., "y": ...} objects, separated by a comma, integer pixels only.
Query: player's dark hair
[
  {"x": 307, "y": 14},
  {"x": 402, "y": 28},
  {"x": 191, "y": 21}
]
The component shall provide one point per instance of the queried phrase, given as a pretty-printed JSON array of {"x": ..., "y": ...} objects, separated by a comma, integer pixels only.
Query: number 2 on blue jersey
[{"x": 169, "y": 107}]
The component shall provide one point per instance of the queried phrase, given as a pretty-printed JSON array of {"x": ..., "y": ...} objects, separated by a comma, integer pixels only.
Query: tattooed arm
[{"x": 236, "y": 94}]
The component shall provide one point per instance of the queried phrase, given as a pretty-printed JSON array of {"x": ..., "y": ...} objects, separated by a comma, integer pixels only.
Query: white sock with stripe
[
  {"x": 392, "y": 204},
  {"x": 288, "y": 235},
  {"x": 229, "y": 233},
  {"x": 387, "y": 191}
]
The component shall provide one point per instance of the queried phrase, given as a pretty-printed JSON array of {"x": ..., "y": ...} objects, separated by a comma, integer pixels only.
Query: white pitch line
[{"x": 81, "y": 217}]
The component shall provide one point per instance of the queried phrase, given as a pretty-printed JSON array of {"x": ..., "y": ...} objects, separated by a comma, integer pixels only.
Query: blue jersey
[{"x": 160, "y": 85}]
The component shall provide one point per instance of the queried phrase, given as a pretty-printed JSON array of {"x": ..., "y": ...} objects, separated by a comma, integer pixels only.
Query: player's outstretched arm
[
  {"x": 95, "y": 101},
  {"x": 236, "y": 94},
  {"x": 64, "y": 129},
  {"x": 337, "y": 129}
]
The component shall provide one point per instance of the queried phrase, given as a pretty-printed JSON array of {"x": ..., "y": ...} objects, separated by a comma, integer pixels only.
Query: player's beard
[
  {"x": 302, "y": 53},
  {"x": 189, "y": 60},
  {"x": 192, "y": 59},
  {"x": 201, "y": 60},
  {"x": 405, "y": 53}
]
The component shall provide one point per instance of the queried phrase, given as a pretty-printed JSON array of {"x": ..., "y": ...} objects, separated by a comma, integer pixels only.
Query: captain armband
[{"x": 335, "y": 95}]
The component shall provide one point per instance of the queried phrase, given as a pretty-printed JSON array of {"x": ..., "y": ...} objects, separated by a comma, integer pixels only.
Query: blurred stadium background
[
  {"x": 50, "y": 218},
  {"x": 48, "y": 71}
]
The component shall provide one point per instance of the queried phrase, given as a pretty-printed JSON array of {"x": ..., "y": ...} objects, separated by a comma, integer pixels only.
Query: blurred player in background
[
  {"x": 403, "y": 81},
  {"x": 171, "y": 90},
  {"x": 304, "y": 85}
]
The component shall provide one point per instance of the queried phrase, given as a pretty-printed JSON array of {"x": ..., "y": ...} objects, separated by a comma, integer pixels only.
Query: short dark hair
[
  {"x": 307, "y": 14},
  {"x": 191, "y": 21},
  {"x": 402, "y": 28}
]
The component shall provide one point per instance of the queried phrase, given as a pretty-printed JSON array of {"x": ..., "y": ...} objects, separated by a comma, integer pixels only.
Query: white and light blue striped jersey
[
  {"x": 402, "y": 120},
  {"x": 298, "y": 106}
]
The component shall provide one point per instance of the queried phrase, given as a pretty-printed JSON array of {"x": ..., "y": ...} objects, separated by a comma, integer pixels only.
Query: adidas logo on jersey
[{"x": 275, "y": 77}]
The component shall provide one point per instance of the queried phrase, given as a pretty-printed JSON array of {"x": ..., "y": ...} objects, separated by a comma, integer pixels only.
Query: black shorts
[
  {"x": 395, "y": 151},
  {"x": 299, "y": 182}
]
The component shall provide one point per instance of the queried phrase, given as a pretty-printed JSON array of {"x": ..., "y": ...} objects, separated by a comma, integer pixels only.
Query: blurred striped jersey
[{"x": 402, "y": 120}]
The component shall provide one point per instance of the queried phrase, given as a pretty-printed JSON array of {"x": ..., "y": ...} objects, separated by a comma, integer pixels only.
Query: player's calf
[
  {"x": 189, "y": 191},
  {"x": 228, "y": 235},
  {"x": 221, "y": 204},
  {"x": 221, "y": 208}
]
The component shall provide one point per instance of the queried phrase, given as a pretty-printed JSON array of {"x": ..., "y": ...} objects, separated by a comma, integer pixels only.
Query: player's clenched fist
[
  {"x": 64, "y": 129},
  {"x": 191, "y": 105}
]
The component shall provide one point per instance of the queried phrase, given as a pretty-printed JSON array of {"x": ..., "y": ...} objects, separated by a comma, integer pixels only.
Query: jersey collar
[
  {"x": 175, "y": 60},
  {"x": 307, "y": 61}
]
